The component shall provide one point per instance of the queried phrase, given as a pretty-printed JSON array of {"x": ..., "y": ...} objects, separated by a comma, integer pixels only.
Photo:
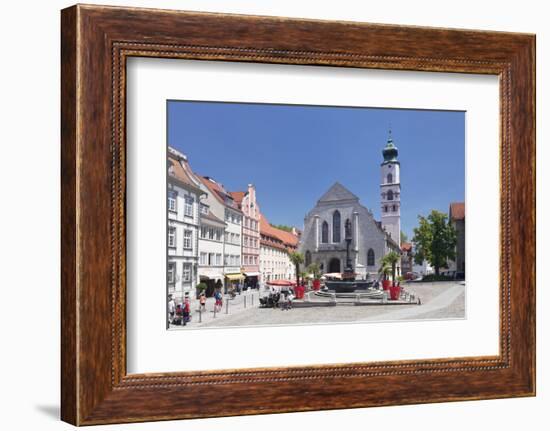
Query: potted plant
[
  {"x": 201, "y": 287},
  {"x": 390, "y": 260},
  {"x": 385, "y": 270},
  {"x": 315, "y": 271}
]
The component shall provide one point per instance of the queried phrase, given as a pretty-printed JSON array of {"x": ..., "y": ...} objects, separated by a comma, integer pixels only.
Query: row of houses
[{"x": 219, "y": 237}]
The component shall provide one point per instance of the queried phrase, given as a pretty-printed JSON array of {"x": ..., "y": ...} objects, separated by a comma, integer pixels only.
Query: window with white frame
[
  {"x": 171, "y": 236},
  {"x": 172, "y": 200},
  {"x": 186, "y": 275},
  {"x": 204, "y": 232},
  {"x": 210, "y": 259},
  {"x": 187, "y": 239},
  {"x": 204, "y": 209},
  {"x": 171, "y": 272},
  {"x": 188, "y": 208},
  {"x": 204, "y": 258},
  {"x": 218, "y": 259}
]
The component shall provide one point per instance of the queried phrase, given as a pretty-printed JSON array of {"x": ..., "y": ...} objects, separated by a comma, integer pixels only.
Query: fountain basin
[{"x": 343, "y": 286}]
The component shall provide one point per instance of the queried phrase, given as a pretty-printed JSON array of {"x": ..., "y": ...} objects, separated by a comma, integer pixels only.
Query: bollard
[
  {"x": 244, "y": 301},
  {"x": 226, "y": 307},
  {"x": 215, "y": 307},
  {"x": 200, "y": 315}
]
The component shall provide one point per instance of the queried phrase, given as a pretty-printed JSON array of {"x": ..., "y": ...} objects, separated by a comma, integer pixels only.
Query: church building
[{"x": 323, "y": 239}]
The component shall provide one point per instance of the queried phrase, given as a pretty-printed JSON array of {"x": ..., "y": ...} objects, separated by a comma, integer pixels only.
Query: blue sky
[{"x": 294, "y": 153}]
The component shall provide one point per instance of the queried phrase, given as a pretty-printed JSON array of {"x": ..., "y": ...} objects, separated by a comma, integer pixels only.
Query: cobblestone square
[{"x": 439, "y": 300}]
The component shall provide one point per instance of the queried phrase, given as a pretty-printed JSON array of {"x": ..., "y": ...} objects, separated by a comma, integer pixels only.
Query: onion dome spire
[{"x": 390, "y": 151}]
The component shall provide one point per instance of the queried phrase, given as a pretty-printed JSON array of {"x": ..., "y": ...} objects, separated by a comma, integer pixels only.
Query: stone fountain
[{"x": 348, "y": 284}]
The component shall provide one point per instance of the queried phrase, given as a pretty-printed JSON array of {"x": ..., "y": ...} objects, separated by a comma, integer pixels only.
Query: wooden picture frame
[{"x": 95, "y": 43}]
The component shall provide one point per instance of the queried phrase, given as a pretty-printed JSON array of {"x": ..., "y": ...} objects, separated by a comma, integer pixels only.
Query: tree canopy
[
  {"x": 297, "y": 259},
  {"x": 435, "y": 240},
  {"x": 283, "y": 227}
]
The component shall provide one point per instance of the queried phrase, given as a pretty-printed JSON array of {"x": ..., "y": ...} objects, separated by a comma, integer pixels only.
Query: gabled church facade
[{"x": 323, "y": 239}]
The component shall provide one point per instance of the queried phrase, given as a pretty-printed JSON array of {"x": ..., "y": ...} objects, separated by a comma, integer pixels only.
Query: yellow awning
[{"x": 235, "y": 277}]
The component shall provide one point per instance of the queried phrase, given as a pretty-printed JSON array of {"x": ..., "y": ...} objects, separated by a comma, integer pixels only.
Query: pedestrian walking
[
  {"x": 219, "y": 301},
  {"x": 171, "y": 309},
  {"x": 202, "y": 301}
]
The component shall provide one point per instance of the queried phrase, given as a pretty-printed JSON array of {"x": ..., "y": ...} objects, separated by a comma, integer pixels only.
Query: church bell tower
[{"x": 390, "y": 188}]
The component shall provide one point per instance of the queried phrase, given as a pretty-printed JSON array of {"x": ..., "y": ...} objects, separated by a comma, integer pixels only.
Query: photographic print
[{"x": 298, "y": 214}]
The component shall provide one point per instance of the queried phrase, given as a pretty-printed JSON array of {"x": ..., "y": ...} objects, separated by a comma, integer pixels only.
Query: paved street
[{"x": 440, "y": 300}]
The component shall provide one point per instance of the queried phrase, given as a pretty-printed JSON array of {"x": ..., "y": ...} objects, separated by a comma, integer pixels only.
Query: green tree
[
  {"x": 297, "y": 259},
  {"x": 390, "y": 260},
  {"x": 435, "y": 240},
  {"x": 283, "y": 227},
  {"x": 404, "y": 237},
  {"x": 314, "y": 269}
]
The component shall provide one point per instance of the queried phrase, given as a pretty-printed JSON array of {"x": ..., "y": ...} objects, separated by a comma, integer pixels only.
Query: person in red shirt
[{"x": 186, "y": 310}]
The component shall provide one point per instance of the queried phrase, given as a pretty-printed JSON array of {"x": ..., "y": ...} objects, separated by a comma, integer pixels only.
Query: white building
[
  {"x": 211, "y": 249},
  {"x": 183, "y": 224},
  {"x": 275, "y": 248},
  {"x": 222, "y": 206}
]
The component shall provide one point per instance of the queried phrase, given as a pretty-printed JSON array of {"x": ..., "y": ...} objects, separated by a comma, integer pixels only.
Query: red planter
[
  {"x": 316, "y": 284},
  {"x": 299, "y": 291},
  {"x": 394, "y": 292},
  {"x": 386, "y": 284}
]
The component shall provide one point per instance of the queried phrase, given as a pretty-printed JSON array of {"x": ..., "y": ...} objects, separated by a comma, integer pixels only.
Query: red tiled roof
[
  {"x": 237, "y": 197},
  {"x": 457, "y": 211},
  {"x": 180, "y": 173},
  {"x": 287, "y": 238},
  {"x": 219, "y": 193},
  {"x": 406, "y": 246}
]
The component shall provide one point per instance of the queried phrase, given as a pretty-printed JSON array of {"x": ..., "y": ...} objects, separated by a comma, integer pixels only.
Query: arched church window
[
  {"x": 390, "y": 179},
  {"x": 324, "y": 232},
  {"x": 390, "y": 195},
  {"x": 370, "y": 257},
  {"x": 308, "y": 258},
  {"x": 336, "y": 226}
]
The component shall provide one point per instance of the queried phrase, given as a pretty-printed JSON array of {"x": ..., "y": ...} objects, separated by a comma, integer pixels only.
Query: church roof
[{"x": 337, "y": 192}]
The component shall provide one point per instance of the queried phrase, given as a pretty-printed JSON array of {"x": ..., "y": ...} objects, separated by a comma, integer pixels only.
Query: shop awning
[
  {"x": 281, "y": 283},
  {"x": 235, "y": 277},
  {"x": 252, "y": 274}
]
